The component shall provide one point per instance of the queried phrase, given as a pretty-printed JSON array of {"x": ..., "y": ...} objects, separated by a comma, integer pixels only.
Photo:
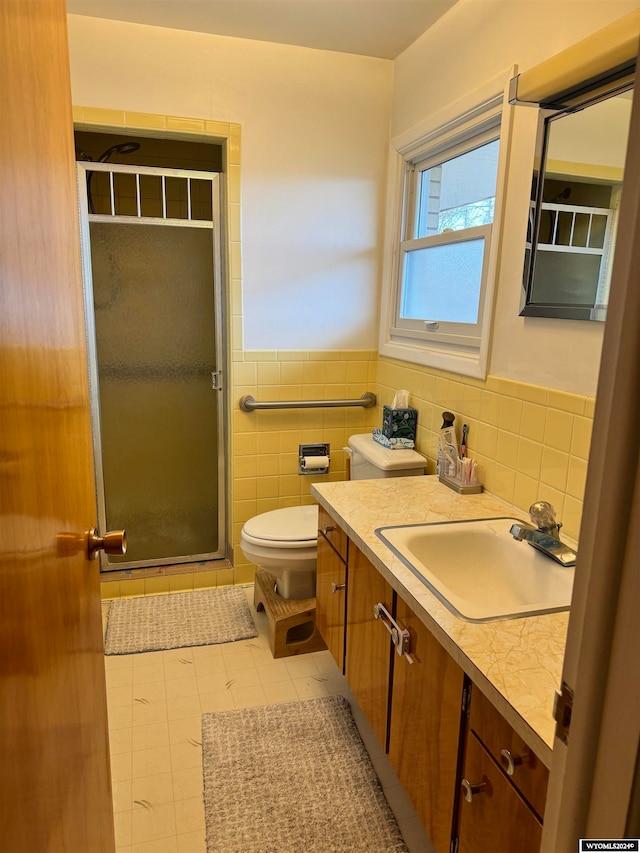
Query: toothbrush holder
[{"x": 466, "y": 480}]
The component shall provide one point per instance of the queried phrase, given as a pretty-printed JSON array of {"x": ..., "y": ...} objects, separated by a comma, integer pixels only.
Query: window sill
[{"x": 467, "y": 363}]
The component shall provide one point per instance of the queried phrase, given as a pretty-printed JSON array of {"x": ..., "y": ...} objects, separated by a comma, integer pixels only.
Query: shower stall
[{"x": 153, "y": 274}]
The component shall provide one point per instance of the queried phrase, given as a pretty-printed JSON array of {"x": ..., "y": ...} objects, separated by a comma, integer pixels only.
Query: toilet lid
[{"x": 292, "y": 524}]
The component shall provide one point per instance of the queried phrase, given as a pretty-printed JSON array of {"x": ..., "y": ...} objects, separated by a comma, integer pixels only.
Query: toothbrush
[{"x": 463, "y": 445}]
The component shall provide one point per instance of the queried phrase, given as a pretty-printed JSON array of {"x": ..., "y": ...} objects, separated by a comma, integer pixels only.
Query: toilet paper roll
[{"x": 313, "y": 463}]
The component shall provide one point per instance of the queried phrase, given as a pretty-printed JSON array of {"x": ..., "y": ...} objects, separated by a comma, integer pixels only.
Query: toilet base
[{"x": 291, "y": 622}]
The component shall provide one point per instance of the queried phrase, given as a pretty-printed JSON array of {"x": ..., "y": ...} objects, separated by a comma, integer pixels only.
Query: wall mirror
[{"x": 576, "y": 188}]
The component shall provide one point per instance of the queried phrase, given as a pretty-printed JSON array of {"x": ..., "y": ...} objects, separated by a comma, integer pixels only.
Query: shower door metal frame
[{"x": 216, "y": 225}]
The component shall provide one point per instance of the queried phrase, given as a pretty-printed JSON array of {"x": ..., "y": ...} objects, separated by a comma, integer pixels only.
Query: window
[{"x": 438, "y": 288}]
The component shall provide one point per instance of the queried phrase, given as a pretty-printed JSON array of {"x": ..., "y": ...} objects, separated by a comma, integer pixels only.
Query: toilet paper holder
[{"x": 313, "y": 458}]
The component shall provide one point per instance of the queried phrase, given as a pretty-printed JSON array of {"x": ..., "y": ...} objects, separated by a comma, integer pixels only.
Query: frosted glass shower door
[{"x": 159, "y": 423}]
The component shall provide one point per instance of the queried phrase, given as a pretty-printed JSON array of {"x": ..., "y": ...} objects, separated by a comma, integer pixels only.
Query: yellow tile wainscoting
[
  {"x": 166, "y": 583},
  {"x": 265, "y": 443},
  {"x": 532, "y": 442}
]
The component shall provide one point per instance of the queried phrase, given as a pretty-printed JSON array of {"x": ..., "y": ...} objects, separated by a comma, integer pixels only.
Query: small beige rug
[
  {"x": 293, "y": 778},
  {"x": 177, "y": 620}
]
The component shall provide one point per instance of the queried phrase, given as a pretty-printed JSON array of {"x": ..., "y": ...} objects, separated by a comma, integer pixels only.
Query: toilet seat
[
  {"x": 284, "y": 542},
  {"x": 291, "y": 527}
]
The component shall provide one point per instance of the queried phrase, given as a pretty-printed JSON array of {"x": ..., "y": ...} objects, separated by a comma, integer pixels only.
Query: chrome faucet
[{"x": 544, "y": 536}]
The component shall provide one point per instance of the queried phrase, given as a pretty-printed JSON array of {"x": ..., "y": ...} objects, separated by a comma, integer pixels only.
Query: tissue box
[{"x": 399, "y": 423}]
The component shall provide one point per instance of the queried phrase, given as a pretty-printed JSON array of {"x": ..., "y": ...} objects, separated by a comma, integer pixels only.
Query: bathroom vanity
[{"x": 463, "y": 709}]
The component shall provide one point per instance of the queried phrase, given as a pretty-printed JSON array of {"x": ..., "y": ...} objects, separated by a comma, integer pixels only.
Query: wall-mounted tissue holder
[{"x": 313, "y": 458}]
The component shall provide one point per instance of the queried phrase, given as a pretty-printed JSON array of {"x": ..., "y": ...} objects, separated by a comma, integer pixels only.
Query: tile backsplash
[{"x": 532, "y": 442}]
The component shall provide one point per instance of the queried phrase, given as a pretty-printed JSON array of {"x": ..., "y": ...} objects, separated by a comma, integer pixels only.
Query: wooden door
[
  {"x": 54, "y": 768},
  {"x": 426, "y": 710},
  {"x": 368, "y": 661}
]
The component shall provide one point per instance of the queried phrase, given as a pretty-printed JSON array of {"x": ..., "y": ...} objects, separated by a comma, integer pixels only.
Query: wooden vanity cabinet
[
  {"x": 504, "y": 786},
  {"x": 368, "y": 656},
  {"x": 426, "y": 709},
  {"x": 415, "y": 710},
  {"x": 331, "y": 585}
]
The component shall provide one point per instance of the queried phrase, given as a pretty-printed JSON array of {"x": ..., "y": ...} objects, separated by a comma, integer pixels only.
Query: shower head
[
  {"x": 122, "y": 148},
  {"x": 565, "y": 194}
]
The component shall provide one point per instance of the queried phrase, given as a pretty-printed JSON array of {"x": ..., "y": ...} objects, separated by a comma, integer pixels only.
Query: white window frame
[
  {"x": 460, "y": 334},
  {"x": 460, "y": 348}
]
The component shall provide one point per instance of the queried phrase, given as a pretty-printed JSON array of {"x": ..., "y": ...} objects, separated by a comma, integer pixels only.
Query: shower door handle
[
  {"x": 216, "y": 380},
  {"x": 114, "y": 543}
]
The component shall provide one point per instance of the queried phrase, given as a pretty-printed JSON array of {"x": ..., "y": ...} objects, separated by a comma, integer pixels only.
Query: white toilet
[{"x": 284, "y": 541}]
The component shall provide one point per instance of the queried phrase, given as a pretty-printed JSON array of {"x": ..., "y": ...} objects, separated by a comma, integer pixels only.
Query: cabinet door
[
  {"x": 497, "y": 818},
  {"x": 368, "y": 644},
  {"x": 334, "y": 533},
  {"x": 331, "y": 599},
  {"x": 526, "y": 772},
  {"x": 425, "y": 727}
]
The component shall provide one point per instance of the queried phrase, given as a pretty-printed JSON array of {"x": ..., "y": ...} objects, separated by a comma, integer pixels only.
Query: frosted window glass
[
  {"x": 154, "y": 314},
  {"x": 443, "y": 282},
  {"x": 564, "y": 278}
]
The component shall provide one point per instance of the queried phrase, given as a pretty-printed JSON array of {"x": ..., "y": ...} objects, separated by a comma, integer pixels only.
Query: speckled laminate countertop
[{"x": 516, "y": 663}]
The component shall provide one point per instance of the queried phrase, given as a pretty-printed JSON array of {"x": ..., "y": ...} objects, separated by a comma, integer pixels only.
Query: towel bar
[{"x": 250, "y": 404}]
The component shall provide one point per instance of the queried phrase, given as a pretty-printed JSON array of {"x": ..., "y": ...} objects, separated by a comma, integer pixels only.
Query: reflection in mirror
[{"x": 574, "y": 208}]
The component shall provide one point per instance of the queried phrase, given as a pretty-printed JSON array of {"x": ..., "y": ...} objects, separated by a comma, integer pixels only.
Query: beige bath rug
[
  {"x": 291, "y": 778},
  {"x": 200, "y": 618}
]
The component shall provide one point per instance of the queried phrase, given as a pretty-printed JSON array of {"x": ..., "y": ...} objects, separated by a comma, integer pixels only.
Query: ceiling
[{"x": 382, "y": 28}]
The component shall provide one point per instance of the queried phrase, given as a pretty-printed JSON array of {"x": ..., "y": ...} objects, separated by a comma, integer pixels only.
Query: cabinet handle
[
  {"x": 328, "y": 528},
  {"x": 336, "y": 586},
  {"x": 400, "y": 637},
  {"x": 470, "y": 790},
  {"x": 511, "y": 761}
]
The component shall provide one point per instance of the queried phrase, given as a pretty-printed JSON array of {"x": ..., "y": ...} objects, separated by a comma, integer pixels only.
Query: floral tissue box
[{"x": 399, "y": 423}]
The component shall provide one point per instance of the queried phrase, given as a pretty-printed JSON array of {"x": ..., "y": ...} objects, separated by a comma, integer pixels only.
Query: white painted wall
[
  {"x": 314, "y": 138},
  {"x": 447, "y": 70},
  {"x": 595, "y": 136},
  {"x": 315, "y": 126}
]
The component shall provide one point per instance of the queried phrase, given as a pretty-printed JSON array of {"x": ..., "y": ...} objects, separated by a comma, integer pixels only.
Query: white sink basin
[{"x": 479, "y": 571}]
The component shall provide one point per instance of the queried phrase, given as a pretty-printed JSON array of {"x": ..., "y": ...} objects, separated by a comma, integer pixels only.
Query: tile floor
[{"x": 155, "y": 703}]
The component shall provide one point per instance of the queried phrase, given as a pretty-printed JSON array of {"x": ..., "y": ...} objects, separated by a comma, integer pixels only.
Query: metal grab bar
[{"x": 250, "y": 404}]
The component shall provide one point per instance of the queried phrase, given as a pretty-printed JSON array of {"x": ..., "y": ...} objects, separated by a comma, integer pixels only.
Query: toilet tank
[{"x": 370, "y": 460}]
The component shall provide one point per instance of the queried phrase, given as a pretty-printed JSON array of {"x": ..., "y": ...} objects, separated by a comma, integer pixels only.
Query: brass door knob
[{"x": 114, "y": 543}]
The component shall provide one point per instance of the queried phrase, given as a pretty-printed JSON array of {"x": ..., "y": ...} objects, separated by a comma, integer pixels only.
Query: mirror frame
[{"x": 578, "y": 98}]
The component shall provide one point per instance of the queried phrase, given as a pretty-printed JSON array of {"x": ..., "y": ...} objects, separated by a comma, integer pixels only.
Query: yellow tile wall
[
  {"x": 167, "y": 583},
  {"x": 532, "y": 442},
  {"x": 265, "y": 443}
]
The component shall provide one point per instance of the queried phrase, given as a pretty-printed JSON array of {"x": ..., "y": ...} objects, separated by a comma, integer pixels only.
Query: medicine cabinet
[{"x": 576, "y": 189}]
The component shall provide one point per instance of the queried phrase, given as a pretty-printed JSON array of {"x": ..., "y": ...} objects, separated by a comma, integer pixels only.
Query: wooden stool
[{"x": 291, "y": 622}]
